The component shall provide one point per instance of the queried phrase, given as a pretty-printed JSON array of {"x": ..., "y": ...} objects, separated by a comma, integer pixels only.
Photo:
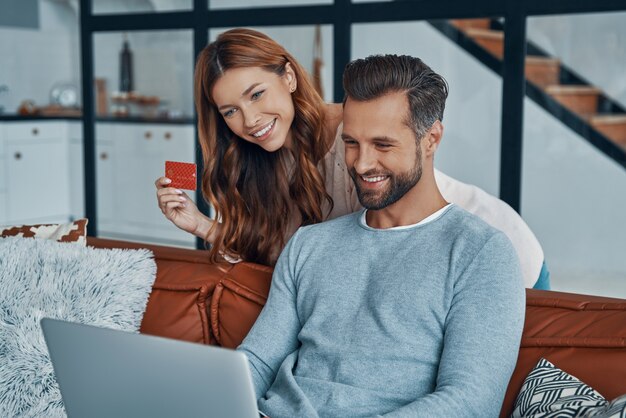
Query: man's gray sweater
[{"x": 420, "y": 321}]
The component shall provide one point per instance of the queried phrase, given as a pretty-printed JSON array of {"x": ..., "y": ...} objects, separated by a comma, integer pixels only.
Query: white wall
[
  {"x": 34, "y": 60},
  {"x": 573, "y": 197},
  {"x": 591, "y": 44}
]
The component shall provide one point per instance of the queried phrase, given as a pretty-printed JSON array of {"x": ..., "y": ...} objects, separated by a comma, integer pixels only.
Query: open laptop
[{"x": 108, "y": 373}]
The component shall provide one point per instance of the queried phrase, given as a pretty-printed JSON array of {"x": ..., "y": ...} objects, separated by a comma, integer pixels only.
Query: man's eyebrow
[
  {"x": 245, "y": 92},
  {"x": 387, "y": 139}
]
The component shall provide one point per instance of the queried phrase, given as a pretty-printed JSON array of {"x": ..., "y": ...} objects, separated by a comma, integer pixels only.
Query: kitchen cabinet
[
  {"x": 35, "y": 172},
  {"x": 42, "y": 176},
  {"x": 130, "y": 158}
]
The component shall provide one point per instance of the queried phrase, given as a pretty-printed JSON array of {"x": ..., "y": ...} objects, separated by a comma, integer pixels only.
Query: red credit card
[{"x": 183, "y": 175}]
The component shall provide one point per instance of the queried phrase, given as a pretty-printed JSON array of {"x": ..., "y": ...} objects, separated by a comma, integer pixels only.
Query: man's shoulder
[
  {"x": 469, "y": 224},
  {"x": 478, "y": 244},
  {"x": 469, "y": 230}
]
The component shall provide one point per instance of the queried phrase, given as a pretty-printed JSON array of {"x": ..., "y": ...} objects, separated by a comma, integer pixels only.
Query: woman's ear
[{"x": 290, "y": 78}]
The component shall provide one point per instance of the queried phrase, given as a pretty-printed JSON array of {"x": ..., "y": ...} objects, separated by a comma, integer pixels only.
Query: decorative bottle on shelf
[{"x": 126, "y": 67}]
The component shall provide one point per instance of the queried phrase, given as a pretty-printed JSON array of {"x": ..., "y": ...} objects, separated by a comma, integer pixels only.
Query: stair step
[
  {"x": 611, "y": 126},
  {"x": 542, "y": 71},
  {"x": 471, "y": 23},
  {"x": 579, "y": 99},
  {"x": 491, "y": 40}
]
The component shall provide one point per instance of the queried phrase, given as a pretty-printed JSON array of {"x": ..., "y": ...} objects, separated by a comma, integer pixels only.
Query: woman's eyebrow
[
  {"x": 245, "y": 92},
  {"x": 249, "y": 89}
]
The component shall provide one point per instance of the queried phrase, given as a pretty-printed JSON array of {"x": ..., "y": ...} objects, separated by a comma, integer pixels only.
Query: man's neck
[{"x": 421, "y": 201}]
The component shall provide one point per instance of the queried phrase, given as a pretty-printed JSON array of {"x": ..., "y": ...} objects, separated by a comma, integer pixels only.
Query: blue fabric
[
  {"x": 418, "y": 322},
  {"x": 543, "y": 282}
]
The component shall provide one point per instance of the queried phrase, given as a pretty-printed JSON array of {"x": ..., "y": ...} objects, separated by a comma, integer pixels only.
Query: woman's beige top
[{"x": 338, "y": 184}]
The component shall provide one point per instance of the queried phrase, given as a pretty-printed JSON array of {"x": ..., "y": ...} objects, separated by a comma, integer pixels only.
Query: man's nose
[{"x": 366, "y": 160}]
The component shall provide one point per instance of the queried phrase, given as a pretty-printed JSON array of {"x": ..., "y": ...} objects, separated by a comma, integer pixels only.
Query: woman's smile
[{"x": 264, "y": 132}]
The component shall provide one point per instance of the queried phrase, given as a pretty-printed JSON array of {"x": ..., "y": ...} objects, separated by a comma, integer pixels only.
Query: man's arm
[
  {"x": 482, "y": 336},
  {"x": 274, "y": 334}
]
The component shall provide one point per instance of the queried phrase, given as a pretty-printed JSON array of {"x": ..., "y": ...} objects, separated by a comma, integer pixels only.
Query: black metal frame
[{"x": 342, "y": 14}]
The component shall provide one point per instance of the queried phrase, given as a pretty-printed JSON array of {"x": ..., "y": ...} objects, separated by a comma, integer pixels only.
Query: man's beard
[{"x": 398, "y": 186}]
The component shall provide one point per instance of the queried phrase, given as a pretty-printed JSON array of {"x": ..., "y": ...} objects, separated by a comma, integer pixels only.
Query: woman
[
  {"x": 274, "y": 160},
  {"x": 263, "y": 132}
]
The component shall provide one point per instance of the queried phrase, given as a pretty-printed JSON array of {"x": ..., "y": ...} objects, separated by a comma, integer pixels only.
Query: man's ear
[
  {"x": 433, "y": 138},
  {"x": 290, "y": 77}
]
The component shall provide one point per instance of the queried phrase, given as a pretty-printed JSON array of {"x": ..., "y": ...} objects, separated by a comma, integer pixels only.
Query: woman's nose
[{"x": 251, "y": 118}]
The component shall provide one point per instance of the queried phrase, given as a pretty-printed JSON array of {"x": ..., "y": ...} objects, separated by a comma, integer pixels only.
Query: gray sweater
[{"x": 423, "y": 321}]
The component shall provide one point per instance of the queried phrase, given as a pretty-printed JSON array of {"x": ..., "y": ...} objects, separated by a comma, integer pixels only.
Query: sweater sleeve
[
  {"x": 481, "y": 338},
  {"x": 274, "y": 335}
]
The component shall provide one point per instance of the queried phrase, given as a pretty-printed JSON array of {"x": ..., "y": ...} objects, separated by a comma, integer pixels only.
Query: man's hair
[{"x": 377, "y": 75}]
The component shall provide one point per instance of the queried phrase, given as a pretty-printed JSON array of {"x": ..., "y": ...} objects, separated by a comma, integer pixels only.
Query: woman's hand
[{"x": 180, "y": 210}]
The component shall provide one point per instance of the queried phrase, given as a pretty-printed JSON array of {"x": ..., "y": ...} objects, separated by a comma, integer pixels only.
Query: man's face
[{"x": 382, "y": 155}]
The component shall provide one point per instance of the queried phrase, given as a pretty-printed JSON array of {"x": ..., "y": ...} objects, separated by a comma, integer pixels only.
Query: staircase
[{"x": 581, "y": 106}]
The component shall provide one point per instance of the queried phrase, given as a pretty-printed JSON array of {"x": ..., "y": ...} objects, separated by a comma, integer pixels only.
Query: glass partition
[
  {"x": 139, "y": 6},
  {"x": 241, "y": 4},
  {"x": 40, "y": 61},
  {"x": 144, "y": 74},
  {"x": 141, "y": 123},
  {"x": 301, "y": 42},
  {"x": 572, "y": 194}
]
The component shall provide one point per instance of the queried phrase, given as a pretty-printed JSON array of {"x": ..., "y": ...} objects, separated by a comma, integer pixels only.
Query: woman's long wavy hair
[{"x": 253, "y": 192}]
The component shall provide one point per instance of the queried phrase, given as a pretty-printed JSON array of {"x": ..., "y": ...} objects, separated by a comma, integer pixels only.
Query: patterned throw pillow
[
  {"x": 70, "y": 232},
  {"x": 550, "y": 392}
]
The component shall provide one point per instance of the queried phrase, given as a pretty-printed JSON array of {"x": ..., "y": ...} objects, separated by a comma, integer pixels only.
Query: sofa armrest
[{"x": 581, "y": 334}]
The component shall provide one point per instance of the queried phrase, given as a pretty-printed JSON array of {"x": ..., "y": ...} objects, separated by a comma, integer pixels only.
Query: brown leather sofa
[{"x": 197, "y": 301}]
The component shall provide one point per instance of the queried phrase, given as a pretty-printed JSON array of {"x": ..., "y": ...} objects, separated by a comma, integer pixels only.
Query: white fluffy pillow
[{"x": 42, "y": 278}]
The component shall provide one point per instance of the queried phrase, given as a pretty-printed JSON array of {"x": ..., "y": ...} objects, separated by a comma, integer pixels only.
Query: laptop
[{"x": 109, "y": 373}]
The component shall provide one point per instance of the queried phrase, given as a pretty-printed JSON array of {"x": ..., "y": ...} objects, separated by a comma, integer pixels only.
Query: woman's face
[{"x": 257, "y": 105}]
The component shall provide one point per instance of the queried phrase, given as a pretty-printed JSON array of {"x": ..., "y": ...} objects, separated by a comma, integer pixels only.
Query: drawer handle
[
  {"x": 147, "y": 135},
  {"x": 104, "y": 156},
  {"x": 18, "y": 155},
  {"x": 168, "y": 136},
  {"x": 35, "y": 131}
]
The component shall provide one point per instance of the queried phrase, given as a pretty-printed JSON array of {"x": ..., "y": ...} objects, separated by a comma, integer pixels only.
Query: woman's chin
[{"x": 269, "y": 147}]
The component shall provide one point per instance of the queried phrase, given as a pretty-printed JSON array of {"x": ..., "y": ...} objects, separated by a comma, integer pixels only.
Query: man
[{"x": 410, "y": 308}]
